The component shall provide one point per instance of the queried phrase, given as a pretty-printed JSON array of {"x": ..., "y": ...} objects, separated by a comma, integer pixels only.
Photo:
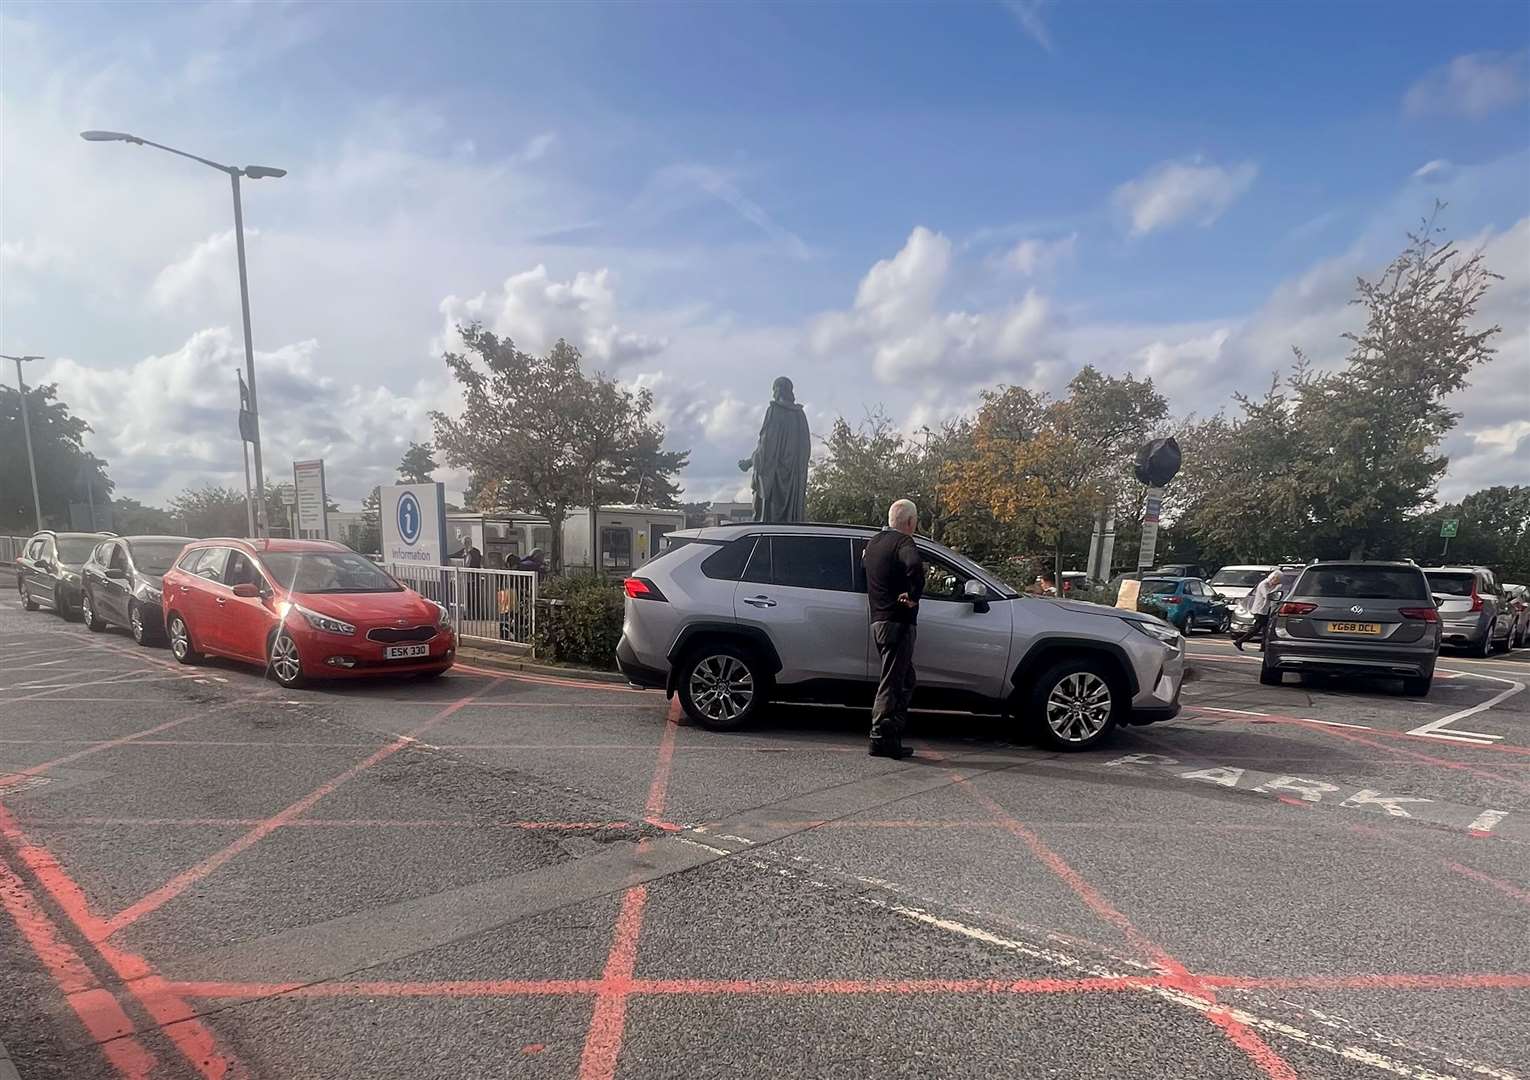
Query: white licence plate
[{"x": 406, "y": 652}]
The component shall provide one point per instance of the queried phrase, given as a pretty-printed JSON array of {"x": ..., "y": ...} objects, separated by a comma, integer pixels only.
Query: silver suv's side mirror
[{"x": 975, "y": 590}]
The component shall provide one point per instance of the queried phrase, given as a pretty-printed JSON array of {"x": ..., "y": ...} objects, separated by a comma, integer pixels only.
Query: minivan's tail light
[
  {"x": 1172, "y": 599},
  {"x": 1476, "y": 598},
  {"x": 641, "y": 589},
  {"x": 1295, "y": 607},
  {"x": 1422, "y": 614}
]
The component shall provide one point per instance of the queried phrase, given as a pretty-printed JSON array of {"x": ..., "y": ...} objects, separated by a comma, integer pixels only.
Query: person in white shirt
[{"x": 1259, "y": 607}]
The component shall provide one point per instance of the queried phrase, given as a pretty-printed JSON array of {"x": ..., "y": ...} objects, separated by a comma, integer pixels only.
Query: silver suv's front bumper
[{"x": 1160, "y": 672}]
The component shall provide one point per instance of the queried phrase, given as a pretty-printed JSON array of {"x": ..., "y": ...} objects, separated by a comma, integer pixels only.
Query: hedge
[{"x": 586, "y": 624}]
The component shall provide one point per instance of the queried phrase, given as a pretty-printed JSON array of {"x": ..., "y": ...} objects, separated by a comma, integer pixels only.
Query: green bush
[{"x": 585, "y": 625}]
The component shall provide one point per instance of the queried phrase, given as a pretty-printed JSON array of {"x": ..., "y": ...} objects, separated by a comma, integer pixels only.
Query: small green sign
[{"x": 1448, "y": 528}]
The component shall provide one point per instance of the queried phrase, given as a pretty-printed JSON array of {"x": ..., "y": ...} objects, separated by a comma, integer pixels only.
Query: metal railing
[
  {"x": 493, "y": 605},
  {"x": 10, "y": 547}
]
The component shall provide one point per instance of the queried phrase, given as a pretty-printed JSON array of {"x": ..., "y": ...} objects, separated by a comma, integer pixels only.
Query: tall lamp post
[
  {"x": 234, "y": 172},
  {"x": 26, "y": 427}
]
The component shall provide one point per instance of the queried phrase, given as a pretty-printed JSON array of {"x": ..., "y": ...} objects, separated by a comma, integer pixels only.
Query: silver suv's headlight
[{"x": 1165, "y": 634}]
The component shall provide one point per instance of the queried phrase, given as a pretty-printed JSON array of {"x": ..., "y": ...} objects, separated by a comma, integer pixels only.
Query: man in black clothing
[{"x": 894, "y": 584}]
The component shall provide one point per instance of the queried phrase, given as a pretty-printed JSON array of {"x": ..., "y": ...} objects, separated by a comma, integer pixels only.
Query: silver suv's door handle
[{"x": 759, "y": 601}]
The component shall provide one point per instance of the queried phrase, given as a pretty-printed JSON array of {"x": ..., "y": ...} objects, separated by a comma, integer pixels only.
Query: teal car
[{"x": 1186, "y": 602}]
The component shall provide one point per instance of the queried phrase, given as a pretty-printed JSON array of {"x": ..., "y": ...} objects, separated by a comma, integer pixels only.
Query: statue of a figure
[{"x": 780, "y": 461}]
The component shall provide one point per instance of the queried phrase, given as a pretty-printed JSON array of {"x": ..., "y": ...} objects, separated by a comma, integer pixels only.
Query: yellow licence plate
[{"x": 1354, "y": 628}]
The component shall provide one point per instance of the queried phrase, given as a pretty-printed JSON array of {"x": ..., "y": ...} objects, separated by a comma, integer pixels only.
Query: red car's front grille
[{"x": 393, "y": 635}]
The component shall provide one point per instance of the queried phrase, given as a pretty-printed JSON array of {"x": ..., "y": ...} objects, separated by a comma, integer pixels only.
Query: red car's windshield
[{"x": 327, "y": 572}]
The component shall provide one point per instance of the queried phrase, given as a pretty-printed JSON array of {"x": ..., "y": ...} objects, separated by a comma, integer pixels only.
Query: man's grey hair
[{"x": 902, "y": 512}]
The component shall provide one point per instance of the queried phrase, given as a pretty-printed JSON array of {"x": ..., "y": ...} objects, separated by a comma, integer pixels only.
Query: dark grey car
[
  {"x": 121, "y": 583},
  {"x": 1356, "y": 618}
]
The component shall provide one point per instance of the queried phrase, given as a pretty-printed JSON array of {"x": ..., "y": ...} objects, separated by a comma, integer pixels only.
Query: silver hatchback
[{"x": 731, "y": 617}]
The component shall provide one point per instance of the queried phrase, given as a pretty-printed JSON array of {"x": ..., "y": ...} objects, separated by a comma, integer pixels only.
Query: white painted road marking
[
  {"x": 1436, "y": 729},
  {"x": 1471, "y": 819}
]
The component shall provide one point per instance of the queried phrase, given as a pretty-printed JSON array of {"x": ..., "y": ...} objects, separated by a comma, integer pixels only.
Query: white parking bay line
[{"x": 1435, "y": 728}]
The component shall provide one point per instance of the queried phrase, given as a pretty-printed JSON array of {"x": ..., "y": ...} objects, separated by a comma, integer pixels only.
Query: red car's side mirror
[{"x": 247, "y": 591}]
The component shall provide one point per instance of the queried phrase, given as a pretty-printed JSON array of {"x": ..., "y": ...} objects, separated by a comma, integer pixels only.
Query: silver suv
[
  {"x": 1474, "y": 610},
  {"x": 733, "y": 616}
]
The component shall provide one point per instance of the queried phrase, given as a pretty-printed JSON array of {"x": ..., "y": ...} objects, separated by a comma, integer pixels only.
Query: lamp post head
[
  {"x": 263, "y": 172},
  {"x": 109, "y": 136},
  {"x": 21, "y": 359}
]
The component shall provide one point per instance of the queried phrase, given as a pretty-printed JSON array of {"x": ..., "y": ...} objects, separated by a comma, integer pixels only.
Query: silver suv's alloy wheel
[
  {"x": 722, "y": 688},
  {"x": 1078, "y": 707},
  {"x": 284, "y": 659}
]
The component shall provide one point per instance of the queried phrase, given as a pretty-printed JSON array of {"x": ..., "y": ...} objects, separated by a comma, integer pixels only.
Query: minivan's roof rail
[{"x": 798, "y": 524}]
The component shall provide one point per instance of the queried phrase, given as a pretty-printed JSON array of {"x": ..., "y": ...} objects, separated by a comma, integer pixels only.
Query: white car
[{"x": 1236, "y": 582}]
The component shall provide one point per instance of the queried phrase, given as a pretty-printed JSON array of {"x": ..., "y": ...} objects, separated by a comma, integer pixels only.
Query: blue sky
[{"x": 896, "y": 204}]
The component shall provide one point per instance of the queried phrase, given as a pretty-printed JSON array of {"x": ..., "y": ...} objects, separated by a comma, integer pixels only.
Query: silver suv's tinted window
[
  {"x": 727, "y": 562},
  {"x": 812, "y": 562},
  {"x": 1452, "y": 584},
  {"x": 1363, "y": 583}
]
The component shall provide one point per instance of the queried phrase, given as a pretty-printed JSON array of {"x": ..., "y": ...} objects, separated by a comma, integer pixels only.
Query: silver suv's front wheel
[
  {"x": 1075, "y": 704},
  {"x": 721, "y": 686}
]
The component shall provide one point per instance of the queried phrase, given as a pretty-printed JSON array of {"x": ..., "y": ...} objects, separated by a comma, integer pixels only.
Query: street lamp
[
  {"x": 256, "y": 506},
  {"x": 26, "y": 427}
]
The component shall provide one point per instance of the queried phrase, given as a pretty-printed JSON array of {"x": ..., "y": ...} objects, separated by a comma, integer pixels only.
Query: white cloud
[
  {"x": 896, "y": 322},
  {"x": 1034, "y": 256},
  {"x": 168, "y": 422},
  {"x": 1471, "y": 85},
  {"x": 1173, "y": 192},
  {"x": 535, "y": 311},
  {"x": 537, "y": 146},
  {"x": 1027, "y": 15},
  {"x": 1428, "y": 169},
  {"x": 206, "y": 273}
]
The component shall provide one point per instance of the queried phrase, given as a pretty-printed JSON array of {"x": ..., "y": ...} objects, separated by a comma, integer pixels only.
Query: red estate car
[{"x": 303, "y": 609}]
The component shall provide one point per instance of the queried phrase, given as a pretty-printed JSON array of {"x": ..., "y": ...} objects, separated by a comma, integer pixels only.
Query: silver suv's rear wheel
[
  {"x": 721, "y": 686},
  {"x": 1075, "y": 704}
]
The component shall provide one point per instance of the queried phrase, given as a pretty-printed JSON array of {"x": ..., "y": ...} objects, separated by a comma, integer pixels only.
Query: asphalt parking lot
[{"x": 495, "y": 875}]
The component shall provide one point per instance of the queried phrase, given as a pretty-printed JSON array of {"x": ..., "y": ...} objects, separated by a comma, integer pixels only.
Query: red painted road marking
[
  {"x": 1402, "y": 981},
  {"x": 653, "y": 809},
  {"x": 1466, "y": 981},
  {"x": 603, "y": 1044},
  {"x": 194, "y": 1042},
  {"x": 111, "y": 744},
  {"x": 178, "y": 884},
  {"x": 97, "y": 1009},
  {"x": 1522, "y": 895},
  {"x": 1240, "y": 1034},
  {"x": 1432, "y": 760},
  {"x": 330, "y": 823}
]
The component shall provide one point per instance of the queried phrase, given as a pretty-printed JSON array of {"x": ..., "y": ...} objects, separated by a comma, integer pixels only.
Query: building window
[{"x": 615, "y": 549}]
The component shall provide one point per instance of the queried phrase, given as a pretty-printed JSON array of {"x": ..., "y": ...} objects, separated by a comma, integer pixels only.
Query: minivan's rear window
[
  {"x": 1363, "y": 583},
  {"x": 1160, "y": 588},
  {"x": 1451, "y": 584}
]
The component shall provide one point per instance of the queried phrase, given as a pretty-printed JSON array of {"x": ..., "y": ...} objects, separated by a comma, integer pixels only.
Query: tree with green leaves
[
  {"x": 418, "y": 465},
  {"x": 132, "y": 518},
  {"x": 1374, "y": 427},
  {"x": 1492, "y": 529},
  {"x": 64, "y": 467},
  {"x": 536, "y": 433}
]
